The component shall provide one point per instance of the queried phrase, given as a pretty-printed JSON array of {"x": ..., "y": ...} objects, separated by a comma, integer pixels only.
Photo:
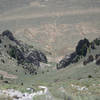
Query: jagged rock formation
[
  {"x": 22, "y": 53},
  {"x": 82, "y": 48},
  {"x": 9, "y": 34},
  {"x": 72, "y": 58},
  {"x": 35, "y": 57}
]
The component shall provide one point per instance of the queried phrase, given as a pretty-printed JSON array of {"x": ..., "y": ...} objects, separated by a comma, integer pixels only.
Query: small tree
[{"x": 1, "y": 77}]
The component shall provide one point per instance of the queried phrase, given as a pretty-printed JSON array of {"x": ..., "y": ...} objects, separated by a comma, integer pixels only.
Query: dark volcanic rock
[
  {"x": 24, "y": 54},
  {"x": 67, "y": 60},
  {"x": 88, "y": 60},
  {"x": 33, "y": 60},
  {"x": 8, "y": 34},
  {"x": 63, "y": 63},
  {"x": 42, "y": 57},
  {"x": 81, "y": 48},
  {"x": 93, "y": 45},
  {"x": 35, "y": 57}
]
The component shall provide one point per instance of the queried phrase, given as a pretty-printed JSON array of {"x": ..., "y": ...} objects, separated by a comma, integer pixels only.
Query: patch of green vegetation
[{"x": 97, "y": 41}]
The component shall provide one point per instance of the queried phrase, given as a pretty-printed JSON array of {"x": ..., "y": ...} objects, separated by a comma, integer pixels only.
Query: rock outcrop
[
  {"x": 29, "y": 58},
  {"x": 35, "y": 57},
  {"x": 9, "y": 34},
  {"x": 81, "y": 48},
  {"x": 72, "y": 58}
]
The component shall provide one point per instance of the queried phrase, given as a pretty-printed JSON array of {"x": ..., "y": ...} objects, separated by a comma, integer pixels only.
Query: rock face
[
  {"x": 35, "y": 57},
  {"x": 9, "y": 34},
  {"x": 81, "y": 48},
  {"x": 29, "y": 58},
  {"x": 63, "y": 63},
  {"x": 72, "y": 58}
]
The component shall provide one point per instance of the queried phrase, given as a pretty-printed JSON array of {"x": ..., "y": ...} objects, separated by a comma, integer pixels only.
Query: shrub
[
  {"x": 2, "y": 61},
  {"x": 6, "y": 81},
  {"x": 97, "y": 41},
  {"x": 22, "y": 83},
  {"x": 5, "y": 46},
  {"x": 89, "y": 76},
  {"x": 0, "y": 41},
  {"x": 1, "y": 77},
  {"x": 42, "y": 72},
  {"x": 16, "y": 53},
  {"x": 12, "y": 52}
]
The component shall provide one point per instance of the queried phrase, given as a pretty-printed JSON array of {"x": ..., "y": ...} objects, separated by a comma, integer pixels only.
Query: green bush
[
  {"x": 1, "y": 77},
  {"x": 97, "y": 41},
  {"x": 12, "y": 52}
]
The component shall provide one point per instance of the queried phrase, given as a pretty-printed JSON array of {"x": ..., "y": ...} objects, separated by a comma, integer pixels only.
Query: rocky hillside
[
  {"x": 24, "y": 54},
  {"x": 89, "y": 51}
]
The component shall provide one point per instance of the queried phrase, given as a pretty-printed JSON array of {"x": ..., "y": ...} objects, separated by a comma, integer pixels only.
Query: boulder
[{"x": 8, "y": 34}]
